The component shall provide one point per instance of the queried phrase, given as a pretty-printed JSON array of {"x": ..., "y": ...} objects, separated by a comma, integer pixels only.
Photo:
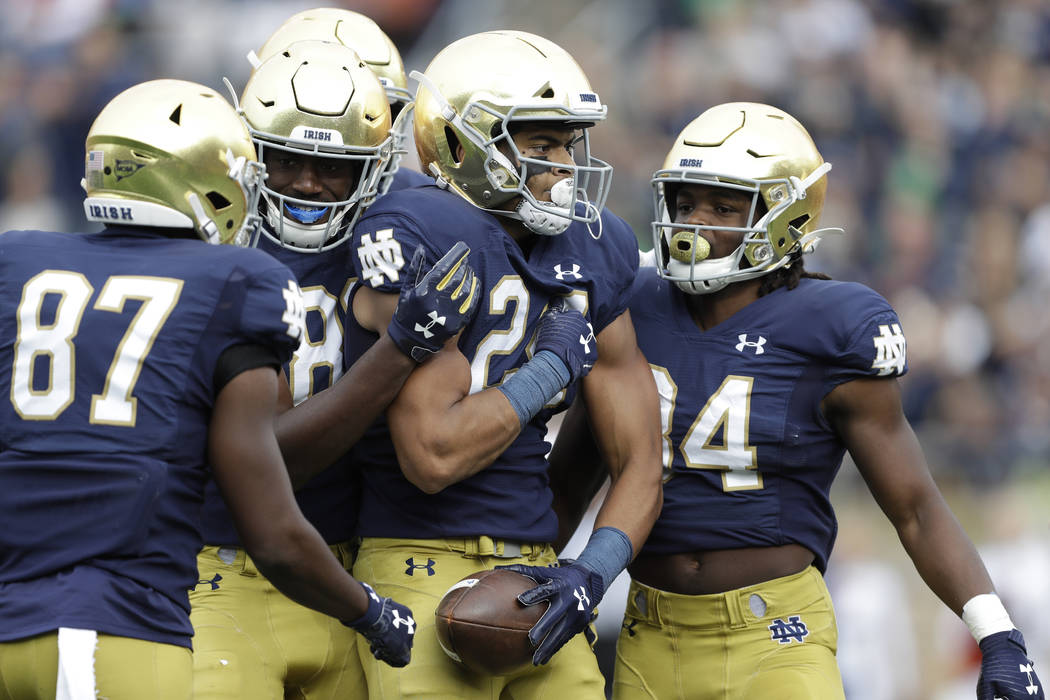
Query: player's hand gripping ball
[{"x": 481, "y": 624}]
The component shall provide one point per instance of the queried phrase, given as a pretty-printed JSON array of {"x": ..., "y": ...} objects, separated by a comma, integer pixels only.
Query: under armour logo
[
  {"x": 891, "y": 350},
  {"x": 295, "y": 311},
  {"x": 412, "y": 566},
  {"x": 1026, "y": 669},
  {"x": 407, "y": 621},
  {"x": 745, "y": 343},
  {"x": 214, "y": 581},
  {"x": 434, "y": 319},
  {"x": 580, "y": 594},
  {"x": 629, "y": 627},
  {"x": 380, "y": 258},
  {"x": 586, "y": 341},
  {"x": 561, "y": 274},
  {"x": 786, "y": 632}
]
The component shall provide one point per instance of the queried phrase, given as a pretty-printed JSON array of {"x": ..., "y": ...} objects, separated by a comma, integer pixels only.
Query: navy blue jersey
[
  {"x": 329, "y": 500},
  {"x": 405, "y": 178},
  {"x": 510, "y": 498},
  {"x": 112, "y": 340},
  {"x": 748, "y": 457}
]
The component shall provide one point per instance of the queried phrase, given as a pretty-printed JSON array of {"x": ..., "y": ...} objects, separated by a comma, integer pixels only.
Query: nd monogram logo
[
  {"x": 794, "y": 630},
  {"x": 295, "y": 311},
  {"x": 380, "y": 258},
  {"x": 891, "y": 349},
  {"x": 412, "y": 566},
  {"x": 434, "y": 320}
]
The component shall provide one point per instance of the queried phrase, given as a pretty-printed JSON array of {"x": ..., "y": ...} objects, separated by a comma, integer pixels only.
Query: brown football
[{"x": 481, "y": 624}]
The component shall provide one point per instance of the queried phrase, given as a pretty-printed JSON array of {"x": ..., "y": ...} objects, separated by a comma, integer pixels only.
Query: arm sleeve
[{"x": 241, "y": 358}]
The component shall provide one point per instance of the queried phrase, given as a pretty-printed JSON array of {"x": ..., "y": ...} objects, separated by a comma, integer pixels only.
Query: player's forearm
[
  {"x": 633, "y": 503},
  {"x": 576, "y": 472},
  {"x": 318, "y": 431},
  {"x": 624, "y": 409},
  {"x": 944, "y": 555},
  {"x": 297, "y": 561}
]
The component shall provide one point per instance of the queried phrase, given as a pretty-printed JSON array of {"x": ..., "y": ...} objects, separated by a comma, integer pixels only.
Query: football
[{"x": 481, "y": 624}]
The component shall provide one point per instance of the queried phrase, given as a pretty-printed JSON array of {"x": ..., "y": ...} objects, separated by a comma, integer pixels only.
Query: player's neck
[
  {"x": 525, "y": 238},
  {"x": 708, "y": 310}
]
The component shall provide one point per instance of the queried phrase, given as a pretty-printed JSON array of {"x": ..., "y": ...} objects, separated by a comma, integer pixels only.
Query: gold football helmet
[
  {"x": 173, "y": 154},
  {"x": 468, "y": 98},
  {"x": 360, "y": 33},
  {"x": 318, "y": 97},
  {"x": 752, "y": 148}
]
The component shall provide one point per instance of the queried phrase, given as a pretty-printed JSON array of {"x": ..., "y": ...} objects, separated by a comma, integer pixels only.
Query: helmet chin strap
[{"x": 204, "y": 224}]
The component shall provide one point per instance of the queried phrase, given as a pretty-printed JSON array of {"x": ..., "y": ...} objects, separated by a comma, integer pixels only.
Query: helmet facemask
[
  {"x": 249, "y": 176},
  {"x": 400, "y": 101},
  {"x": 682, "y": 257},
  {"x": 751, "y": 148},
  {"x": 301, "y": 224}
]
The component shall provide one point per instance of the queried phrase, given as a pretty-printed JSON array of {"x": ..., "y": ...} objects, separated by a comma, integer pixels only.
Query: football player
[
  {"x": 321, "y": 124},
  {"x": 768, "y": 375},
  {"x": 363, "y": 35},
  {"x": 455, "y": 482},
  {"x": 137, "y": 356}
]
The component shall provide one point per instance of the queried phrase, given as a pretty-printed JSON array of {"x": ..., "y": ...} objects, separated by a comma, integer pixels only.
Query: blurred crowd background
[{"x": 936, "y": 117}]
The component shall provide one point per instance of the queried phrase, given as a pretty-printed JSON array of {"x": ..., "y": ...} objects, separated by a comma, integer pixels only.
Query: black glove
[
  {"x": 1006, "y": 670},
  {"x": 434, "y": 305},
  {"x": 564, "y": 331},
  {"x": 389, "y": 626},
  {"x": 573, "y": 591}
]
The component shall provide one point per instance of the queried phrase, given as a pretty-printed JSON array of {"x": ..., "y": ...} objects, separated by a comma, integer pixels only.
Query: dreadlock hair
[{"x": 788, "y": 276}]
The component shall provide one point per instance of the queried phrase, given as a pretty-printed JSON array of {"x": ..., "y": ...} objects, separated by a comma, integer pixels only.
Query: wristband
[
  {"x": 372, "y": 612},
  {"x": 984, "y": 614},
  {"x": 534, "y": 384},
  {"x": 607, "y": 553}
]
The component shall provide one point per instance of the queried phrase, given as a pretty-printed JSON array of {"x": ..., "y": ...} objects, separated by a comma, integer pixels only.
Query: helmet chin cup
[
  {"x": 548, "y": 220},
  {"x": 703, "y": 276},
  {"x": 291, "y": 233},
  {"x": 542, "y": 221}
]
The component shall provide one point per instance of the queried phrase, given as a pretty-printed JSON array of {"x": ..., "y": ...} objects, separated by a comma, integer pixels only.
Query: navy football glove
[
  {"x": 1006, "y": 670},
  {"x": 434, "y": 305},
  {"x": 573, "y": 591},
  {"x": 389, "y": 626},
  {"x": 564, "y": 331}
]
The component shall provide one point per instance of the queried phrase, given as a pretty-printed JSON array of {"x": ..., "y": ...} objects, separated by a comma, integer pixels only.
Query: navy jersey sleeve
[
  {"x": 260, "y": 304},
  {"x": 870, "y": 339},
  {"x": 622, "y": 261}
]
